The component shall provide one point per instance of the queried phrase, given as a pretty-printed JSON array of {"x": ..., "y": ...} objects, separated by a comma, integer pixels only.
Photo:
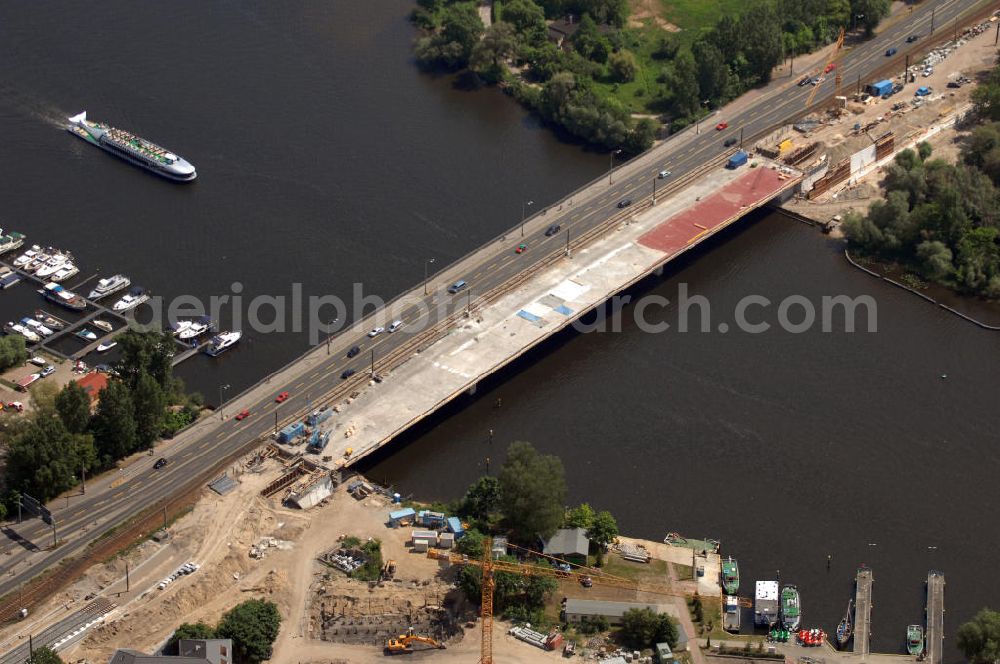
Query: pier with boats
[{"x": 99, "y": 318}]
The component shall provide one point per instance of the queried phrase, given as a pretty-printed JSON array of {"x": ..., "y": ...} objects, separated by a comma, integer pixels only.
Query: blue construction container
[
  {"x": 319, "y": 416},
  {"x": 455, "y": 526},
  {"x": 291, "y": 432},
  {"x": 430, "y": 519},
  {"x": 880, "y": 88},
  {"x": 399, "y": 515},
  {"x": 737, "y": 160}
]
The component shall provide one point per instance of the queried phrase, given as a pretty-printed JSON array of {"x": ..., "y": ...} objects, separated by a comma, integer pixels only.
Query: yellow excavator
[{"x": 403, "y": 645}]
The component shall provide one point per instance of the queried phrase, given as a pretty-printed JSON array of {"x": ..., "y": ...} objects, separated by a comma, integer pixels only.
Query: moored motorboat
[
  {"x": 17, "y": 328},
  {"x": 54, "y": 263},
  {"x": 193, "y": 329},
  {"x": 36, "y": 327},
  {"x": 102, "y": 325},
  {"x": 65, "y": 272},
  {"x": 106, "y": 346},
  {"x": 223, "y": 342},
  {"x": 109, "y": 285},
  {"x": 915, "y": 640},
  {"x": 87, "y": 334},
  {"x": 10, "y": 241},
  {"x": 27, "y": 256},
  {"x": 730, "y": 576},
  {"x": 48, "y": 321},
  {"x": 791, "y": 610},
  {"x": 135, "y": 297},
  {"x": 56, "y": 293}
]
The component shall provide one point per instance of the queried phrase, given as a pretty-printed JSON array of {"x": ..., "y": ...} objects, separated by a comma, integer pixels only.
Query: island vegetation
[
  {"x": 47, "y": 451},
  {"x": 940, "y": 219},
  {"x": 612, "y": 79}
]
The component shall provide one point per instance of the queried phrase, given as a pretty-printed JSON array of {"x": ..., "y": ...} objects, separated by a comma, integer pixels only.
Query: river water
[{"x": 326, "y": 159}]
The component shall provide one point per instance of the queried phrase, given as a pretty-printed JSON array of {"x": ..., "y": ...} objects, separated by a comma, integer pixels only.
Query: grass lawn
[
  {"x": 654, "y": 572},
  {"x": 684, "y": 572},
  {"x": 692, "y": 16}
]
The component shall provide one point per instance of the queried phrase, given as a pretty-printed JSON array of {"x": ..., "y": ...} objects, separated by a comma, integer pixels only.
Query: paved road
[{"x": 108, "y": 500}]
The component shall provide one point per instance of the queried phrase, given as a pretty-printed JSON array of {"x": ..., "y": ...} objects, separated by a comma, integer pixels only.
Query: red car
[
  {"x": 830, "y": 67},
  {"x": 243, "y": 414},
  {"x": 282, "y": 397},
  {"x": 521, "y": 248},
  {"x": 721, "y": 126}
]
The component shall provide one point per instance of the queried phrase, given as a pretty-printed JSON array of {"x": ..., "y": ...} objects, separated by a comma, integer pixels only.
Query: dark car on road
[
  {"x": 459, "y": 285},
  {"x": 552, "y": 230},
  {"x": 805, "y": 80},
  {"x": 912, "y": 38},
  {"x": 354, "y": 351},
  {"x": 160, "y": 463},
  {"x": 347, "y": 374},
  {"x": 730, "y": 142},
  {"x": 890, "y": 52},
  {"x": 624, "y": 203}
]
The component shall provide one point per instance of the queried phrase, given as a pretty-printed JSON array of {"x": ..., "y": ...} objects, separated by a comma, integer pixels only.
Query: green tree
[
  {"x": 44, "y": 458},
  {"x": 490, "y": 54},
  {"x": 12, "y": 351},
  {"x": 604, "y": 529},
  {"x": 924, "y": 150},
  {"x": 713, "y": 72},
  {"x": 528, "y": 20},
  {"x": 978, "y": 261},
  {"x": 979, "y": 639},
  {"x": 471, "y": 544},
  {"x": 148, "y": 405},
  {"x": 149, "y": 352},
  {"x": 641, "y": 137},
  {"x": 588, "y": 41},
  {"x": 73, "y": 406},
  {"x": 935, "y": 259},
  {"x": 581, "y": 516},
  {"x": 198, "y": 630},
  {"x": 534, "y": 491},
  {"x": 43, "y": 655},
  {"x": 643, "y": 628},
  {"x": 253, "y": 626},
  {"x": 683, "y": 82},
  {"x": 113, "y": 424},
  {"x": 482, "y": 498},
  {"x": 622, "y": 66},
  {"x": 870, "y": 13}
]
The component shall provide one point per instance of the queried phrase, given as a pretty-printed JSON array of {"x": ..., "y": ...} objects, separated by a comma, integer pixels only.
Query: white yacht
[
  {"x": 109, "y": 285},
  {"x": 223, "y": 342}
]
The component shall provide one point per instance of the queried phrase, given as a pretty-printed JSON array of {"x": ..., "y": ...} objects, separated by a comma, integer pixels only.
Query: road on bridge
[{"x": 316, "y": 377}]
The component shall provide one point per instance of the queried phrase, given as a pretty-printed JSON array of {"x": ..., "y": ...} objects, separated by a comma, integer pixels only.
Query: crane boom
[{"x": 837, "y": 51}]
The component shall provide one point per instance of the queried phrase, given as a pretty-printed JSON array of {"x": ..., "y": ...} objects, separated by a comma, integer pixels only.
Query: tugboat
[
  {"x": 791, "y": 611},
  {"x": 846, "y": 627},
  {"x": 223, "y": 342},
  {"x": 730, "y": 576},
  {"x": 915, "y": 640}
]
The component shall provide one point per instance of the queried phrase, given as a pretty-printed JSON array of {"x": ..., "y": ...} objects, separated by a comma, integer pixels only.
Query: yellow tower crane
[{"x": 838, "y": 50}]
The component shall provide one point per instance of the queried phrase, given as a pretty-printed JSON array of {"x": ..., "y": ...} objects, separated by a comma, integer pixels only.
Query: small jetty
[
  {"x": 935, "y": 617},
  {"x": 863, "y": 611}
]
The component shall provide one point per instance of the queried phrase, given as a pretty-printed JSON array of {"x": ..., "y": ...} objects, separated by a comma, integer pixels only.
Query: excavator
[{"x": 403, "y": 645}]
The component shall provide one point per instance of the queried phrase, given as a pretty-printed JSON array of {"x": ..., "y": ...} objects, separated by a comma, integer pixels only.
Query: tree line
[
  {"x": 252, "y": 625},
  {"x": 560, "y": 84},
  {"x": 941, "y": 219},
  {"x": 48, "y": 451}
]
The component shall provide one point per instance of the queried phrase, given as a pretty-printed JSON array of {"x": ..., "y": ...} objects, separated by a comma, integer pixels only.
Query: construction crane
[
  {"x": 838, "y": 50},
  {"x": 586, "y": 576},
  {"x": 403, "y": 644}
]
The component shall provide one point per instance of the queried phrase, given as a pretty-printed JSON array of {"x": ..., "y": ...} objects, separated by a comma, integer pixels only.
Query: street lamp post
[
  {"x": 524, "y": 205},
  {"x": 221, "y": 388},
  {"x": 427, "y": 262},
  {"x": 611, "y": 166},
  {"x": 329, "y": 333}
]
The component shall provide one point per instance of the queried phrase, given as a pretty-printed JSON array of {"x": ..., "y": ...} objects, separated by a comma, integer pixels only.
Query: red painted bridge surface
[{"x": 750, "y": 190}]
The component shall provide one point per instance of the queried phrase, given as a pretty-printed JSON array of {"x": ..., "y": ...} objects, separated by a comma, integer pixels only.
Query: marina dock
[
  {"x": 935, "y": 617},
  {"x": 863, "y": 611}
]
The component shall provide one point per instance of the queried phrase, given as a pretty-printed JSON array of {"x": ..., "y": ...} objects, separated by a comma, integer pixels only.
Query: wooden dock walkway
[
  {"x": 935, "y": 617},
  {"x": 863, "y": 612}
]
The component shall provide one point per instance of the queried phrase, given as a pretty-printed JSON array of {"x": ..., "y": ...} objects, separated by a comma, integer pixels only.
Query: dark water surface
[{"x": 326, "y": 159}]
